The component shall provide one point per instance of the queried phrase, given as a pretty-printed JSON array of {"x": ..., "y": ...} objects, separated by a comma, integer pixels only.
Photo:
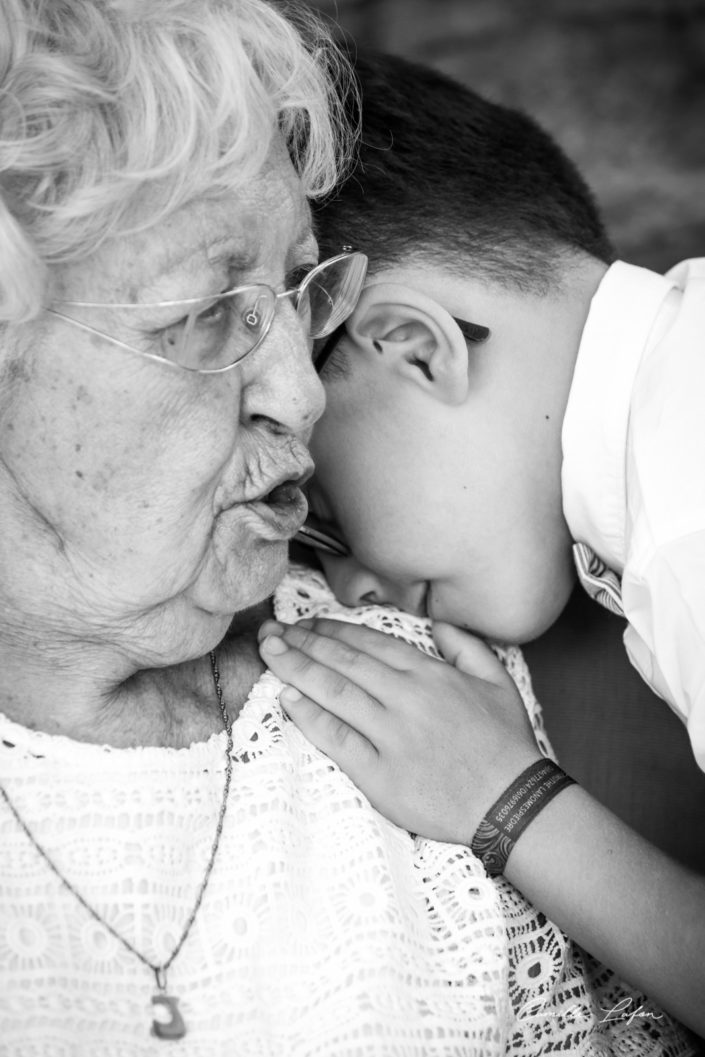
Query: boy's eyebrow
[{"x": 472, "y": 331}]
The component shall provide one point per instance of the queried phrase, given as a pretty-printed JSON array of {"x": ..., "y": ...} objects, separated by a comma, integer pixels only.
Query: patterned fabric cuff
[{"x": 509, "y": 816}]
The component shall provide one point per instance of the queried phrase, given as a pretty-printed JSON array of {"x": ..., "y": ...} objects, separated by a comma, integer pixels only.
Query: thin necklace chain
[{"x": 158, "y": 970}]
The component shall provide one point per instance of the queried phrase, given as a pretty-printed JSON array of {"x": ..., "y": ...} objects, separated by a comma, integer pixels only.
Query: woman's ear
[{"x": 413, "y": 336}]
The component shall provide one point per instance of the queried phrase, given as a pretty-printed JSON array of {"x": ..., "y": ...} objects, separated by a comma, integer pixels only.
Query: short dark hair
[{"x": 446, "y": 175}]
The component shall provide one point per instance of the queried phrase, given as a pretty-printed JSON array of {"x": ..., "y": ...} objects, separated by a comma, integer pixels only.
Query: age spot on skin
[
  {"x": 102, "y": 479},
  {"x": 17, "y": 371}
]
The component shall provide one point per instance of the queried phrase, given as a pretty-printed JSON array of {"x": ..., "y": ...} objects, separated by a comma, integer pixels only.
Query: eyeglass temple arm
[{"x": 321, "y": 541}]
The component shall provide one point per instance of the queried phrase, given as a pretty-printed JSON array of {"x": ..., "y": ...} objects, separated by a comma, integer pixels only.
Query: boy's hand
[{"x": 432, "y": 745}]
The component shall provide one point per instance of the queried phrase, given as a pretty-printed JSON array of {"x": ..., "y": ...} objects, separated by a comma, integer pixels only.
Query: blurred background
[{"x": 619, "y": 83}]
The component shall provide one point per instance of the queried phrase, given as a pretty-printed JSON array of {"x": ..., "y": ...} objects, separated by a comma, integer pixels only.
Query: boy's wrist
[{"x": 514, "y": 810}]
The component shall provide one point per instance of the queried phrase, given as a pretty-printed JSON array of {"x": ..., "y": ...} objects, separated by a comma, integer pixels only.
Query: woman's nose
[{"x": 279, "y": 383}]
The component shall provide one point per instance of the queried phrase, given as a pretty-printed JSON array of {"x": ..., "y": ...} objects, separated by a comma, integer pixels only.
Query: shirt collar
[{"x": 621, "y": 324}]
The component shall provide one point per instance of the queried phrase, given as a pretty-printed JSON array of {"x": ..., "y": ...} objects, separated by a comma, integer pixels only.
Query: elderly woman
[{"x": 178, "y": 862}]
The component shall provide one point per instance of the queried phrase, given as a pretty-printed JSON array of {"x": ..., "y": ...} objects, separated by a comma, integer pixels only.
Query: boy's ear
[{"x": 413, "y": 336}]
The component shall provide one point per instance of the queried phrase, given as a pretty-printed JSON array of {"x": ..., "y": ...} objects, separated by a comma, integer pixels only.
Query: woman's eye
[
  {"x": 172, "y": 337},
  {"x": 212, "y": 313},
  {"x": 196, "y": 337}
]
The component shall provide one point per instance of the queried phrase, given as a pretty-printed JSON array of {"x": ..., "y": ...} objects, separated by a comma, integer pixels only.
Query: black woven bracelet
[{"x": 509, "y": 816}]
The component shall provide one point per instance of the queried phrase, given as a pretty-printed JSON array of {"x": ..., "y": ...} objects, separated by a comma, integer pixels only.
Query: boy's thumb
[{"x": 466, "y": 652}]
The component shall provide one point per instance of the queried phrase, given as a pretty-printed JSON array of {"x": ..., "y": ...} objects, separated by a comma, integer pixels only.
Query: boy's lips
[{"x": 426, "y": 601}]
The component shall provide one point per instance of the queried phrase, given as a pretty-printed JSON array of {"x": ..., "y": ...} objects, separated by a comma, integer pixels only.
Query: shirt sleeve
[
  {"x": 663, "y": 581},
  {"x": 665, "y": 639}
]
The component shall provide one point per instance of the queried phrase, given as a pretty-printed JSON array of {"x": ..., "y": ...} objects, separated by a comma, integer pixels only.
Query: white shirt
[{"x": 634, "y": 469}]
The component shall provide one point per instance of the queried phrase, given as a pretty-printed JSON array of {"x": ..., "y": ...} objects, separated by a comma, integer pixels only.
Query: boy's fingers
[
  {"x": 339, "y": 652},
  {"x": 466, "y": 652},
  {"x": 376, "y": 644},
  {"x": 330, "y": 689},
  {"x": 345, "y": 745}
]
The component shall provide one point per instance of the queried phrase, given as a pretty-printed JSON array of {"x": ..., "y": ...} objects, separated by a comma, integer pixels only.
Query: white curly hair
[{"x": 108, "y": 104}]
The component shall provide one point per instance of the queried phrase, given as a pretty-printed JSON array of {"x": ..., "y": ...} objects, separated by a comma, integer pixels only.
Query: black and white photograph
[{"x": 352, "y": 528}]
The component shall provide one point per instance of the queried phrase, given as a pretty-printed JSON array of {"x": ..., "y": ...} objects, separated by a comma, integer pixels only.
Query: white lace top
[{"x": 325, "y": 931}]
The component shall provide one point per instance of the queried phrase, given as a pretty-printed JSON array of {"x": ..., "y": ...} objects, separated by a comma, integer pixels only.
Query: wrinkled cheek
[
  {"x": 239, "y": 569},
  {"x": 132, "y": 536},
  {"x": 112, "y": 491},
  {"x": 62, "y": 461},
  {"x": 137, "y": 564},
  {"x": 144, "y": 489}
]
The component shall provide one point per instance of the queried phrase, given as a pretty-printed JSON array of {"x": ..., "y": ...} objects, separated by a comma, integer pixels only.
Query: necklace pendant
[{"x": 168, "y": 1022}]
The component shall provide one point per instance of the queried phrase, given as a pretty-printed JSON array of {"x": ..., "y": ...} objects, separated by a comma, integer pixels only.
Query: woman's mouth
[
  {"x": 278, "y": 512},
  {"x": 282, "y": 511}
]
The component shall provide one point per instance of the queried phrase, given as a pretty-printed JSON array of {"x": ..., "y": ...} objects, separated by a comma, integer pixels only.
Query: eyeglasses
[{"x": 216, "y": 333}]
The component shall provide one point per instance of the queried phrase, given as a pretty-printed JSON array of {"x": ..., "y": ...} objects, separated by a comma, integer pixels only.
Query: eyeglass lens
[
  {"x": 221, "y": 331},
  {"x": 232, "y": 325},
  {"x": 332, "y": 291}
]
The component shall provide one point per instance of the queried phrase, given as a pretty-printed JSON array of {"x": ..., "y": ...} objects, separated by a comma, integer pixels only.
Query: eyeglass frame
[{"x": 296, "y": 292}]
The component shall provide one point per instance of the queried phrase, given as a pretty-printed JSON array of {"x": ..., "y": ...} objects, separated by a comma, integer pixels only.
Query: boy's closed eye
[{"x": 324, "y": 349}]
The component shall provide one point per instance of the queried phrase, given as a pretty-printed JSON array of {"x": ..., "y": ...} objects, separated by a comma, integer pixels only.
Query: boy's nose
[{"x": 355, "y": 585}]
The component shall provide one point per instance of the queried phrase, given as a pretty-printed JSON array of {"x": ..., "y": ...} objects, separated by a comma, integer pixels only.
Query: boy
[
  {"x": 472, "y": 206},
  {"x": 494, "y": 330}
]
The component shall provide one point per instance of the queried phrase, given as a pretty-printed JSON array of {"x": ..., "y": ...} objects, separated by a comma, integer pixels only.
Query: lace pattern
[
  {"x": 560, "y": 997},
  {"x": 305, "y": 593},
  {"x": 326, "y": 931}
]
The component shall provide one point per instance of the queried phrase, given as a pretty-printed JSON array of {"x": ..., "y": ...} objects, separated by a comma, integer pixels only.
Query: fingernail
[
  {"x": 289, "y": 695},
  {"x": 273, "y": 644},
  {"x": 270, "y": 627}
]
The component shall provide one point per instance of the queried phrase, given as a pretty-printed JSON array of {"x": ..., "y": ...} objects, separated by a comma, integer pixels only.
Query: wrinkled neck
[{"x": 92, "y": 692}]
